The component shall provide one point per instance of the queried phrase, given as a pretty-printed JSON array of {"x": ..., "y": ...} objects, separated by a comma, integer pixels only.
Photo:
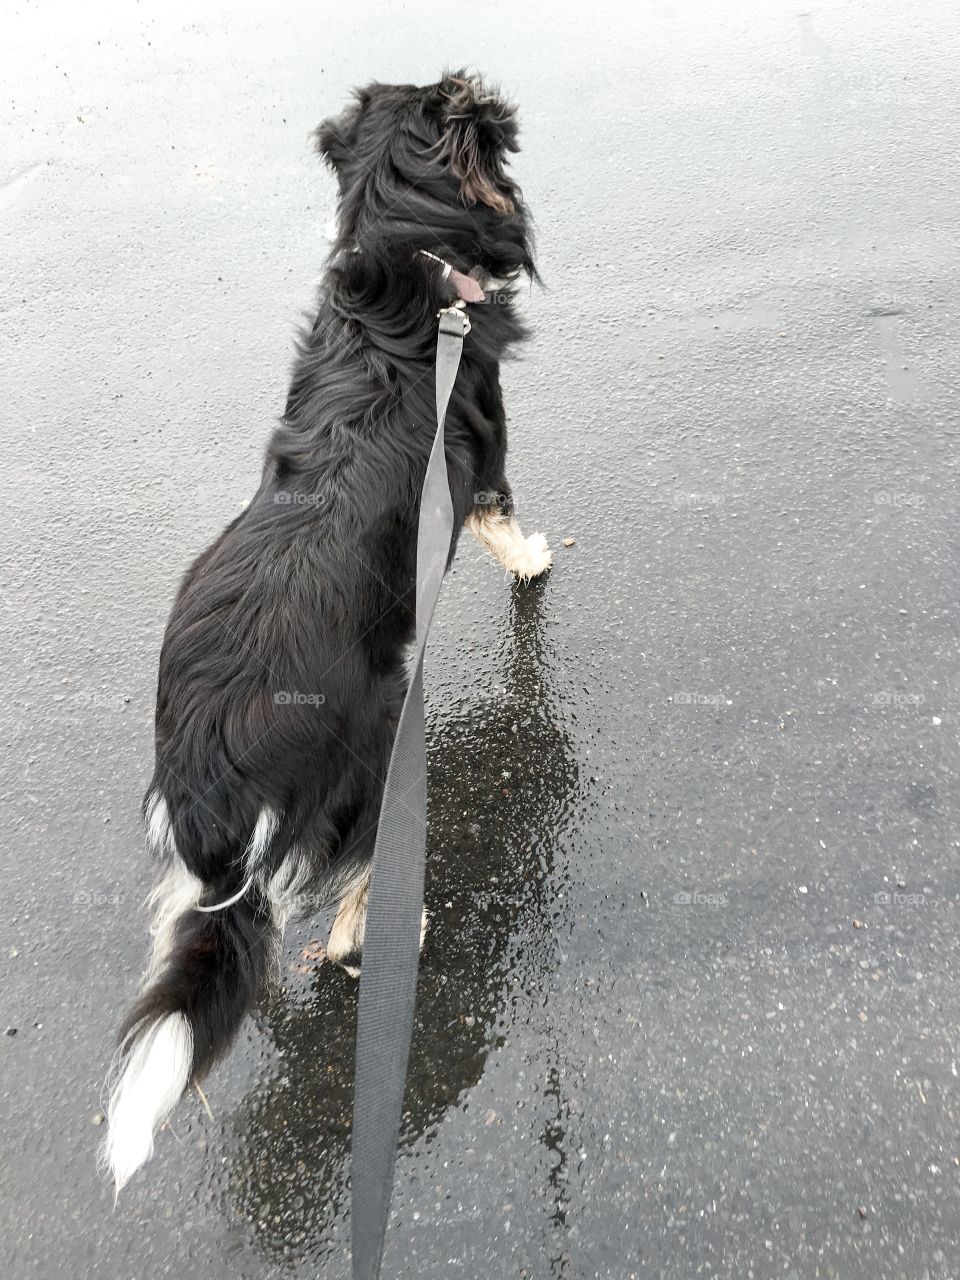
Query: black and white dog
[{"x": 282, "y": 669}]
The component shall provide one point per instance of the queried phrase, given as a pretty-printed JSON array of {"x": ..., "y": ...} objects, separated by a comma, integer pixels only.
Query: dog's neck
[{"x": 467, "y": 285}]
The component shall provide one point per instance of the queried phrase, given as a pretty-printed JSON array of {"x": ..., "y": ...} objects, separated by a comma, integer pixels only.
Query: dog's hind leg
[
  {"x": 495, "y": 527},
  {"x": 345, "y": 943}
]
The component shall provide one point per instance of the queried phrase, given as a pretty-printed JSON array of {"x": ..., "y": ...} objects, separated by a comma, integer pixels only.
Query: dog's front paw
[{"x": 536, "y": 560}]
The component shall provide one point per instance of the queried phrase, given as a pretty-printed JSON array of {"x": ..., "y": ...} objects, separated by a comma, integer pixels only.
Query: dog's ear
[
  {"x": 335, "y": 139},
  {"x": 479, "y": 127}
]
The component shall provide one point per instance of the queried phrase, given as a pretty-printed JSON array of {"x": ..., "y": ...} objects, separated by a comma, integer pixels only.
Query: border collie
[{"x": 282, "y": 670}]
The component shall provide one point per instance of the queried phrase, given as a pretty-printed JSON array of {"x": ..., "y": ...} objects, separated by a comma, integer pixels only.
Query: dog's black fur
[{"x": 282, "y": 669}]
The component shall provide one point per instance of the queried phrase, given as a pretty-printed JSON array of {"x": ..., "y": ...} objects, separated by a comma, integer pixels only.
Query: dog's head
[{"x": 424, "y": 155}]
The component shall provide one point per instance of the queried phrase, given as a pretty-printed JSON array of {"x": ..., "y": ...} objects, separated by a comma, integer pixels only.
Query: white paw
[{"x": 536, "y": 560}]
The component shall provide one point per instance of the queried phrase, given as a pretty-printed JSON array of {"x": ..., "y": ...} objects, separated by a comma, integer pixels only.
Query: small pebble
[
  {"x": 569, "y": 542},
  {"x": 97, "y": 1118},
  {"x": 11, "y": 1031}
]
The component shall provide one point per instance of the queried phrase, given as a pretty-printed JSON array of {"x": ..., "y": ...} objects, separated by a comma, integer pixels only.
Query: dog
[{"x": 282, "y": 669}]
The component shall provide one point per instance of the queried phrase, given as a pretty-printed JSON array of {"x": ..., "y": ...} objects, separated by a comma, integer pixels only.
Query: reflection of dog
[
  {"x": 257, "y": 800},
  {"x": 497, "y": 922}
]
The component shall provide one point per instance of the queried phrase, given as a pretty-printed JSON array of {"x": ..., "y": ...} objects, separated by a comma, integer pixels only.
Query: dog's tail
[{"x": 207, "y": 970}]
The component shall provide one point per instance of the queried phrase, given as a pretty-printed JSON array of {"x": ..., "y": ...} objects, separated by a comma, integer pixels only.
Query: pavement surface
[{"x": 689, "y": 1005}]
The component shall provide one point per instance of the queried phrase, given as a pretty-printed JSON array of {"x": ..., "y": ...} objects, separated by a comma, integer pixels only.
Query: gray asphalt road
[{"x": 689, "y": 1003}]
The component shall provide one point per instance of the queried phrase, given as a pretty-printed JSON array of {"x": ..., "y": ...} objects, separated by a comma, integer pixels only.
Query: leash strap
[{"x": 391, "y": 944}]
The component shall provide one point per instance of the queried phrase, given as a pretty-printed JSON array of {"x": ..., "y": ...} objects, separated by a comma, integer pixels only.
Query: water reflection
[{"x": 503, "y": 781}]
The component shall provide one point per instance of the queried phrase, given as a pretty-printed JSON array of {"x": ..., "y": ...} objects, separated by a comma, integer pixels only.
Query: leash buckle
[{"x": 454, "y": 320}]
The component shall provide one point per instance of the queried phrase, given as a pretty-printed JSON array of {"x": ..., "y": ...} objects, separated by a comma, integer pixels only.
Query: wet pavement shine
[{"x": 688, "y": 1006}]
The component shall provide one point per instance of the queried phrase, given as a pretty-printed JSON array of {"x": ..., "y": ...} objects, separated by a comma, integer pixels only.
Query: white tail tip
[{"x": 153, "y": 1074}]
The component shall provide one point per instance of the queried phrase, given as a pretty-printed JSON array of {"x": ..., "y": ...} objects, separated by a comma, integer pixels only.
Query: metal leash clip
[{"x": 458, "y": 309}]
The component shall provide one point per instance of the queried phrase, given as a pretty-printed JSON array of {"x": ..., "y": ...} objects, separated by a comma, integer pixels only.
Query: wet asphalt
[{"x": 688, "y": 1004}]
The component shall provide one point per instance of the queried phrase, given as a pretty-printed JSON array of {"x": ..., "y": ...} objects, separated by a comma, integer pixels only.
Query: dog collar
[{"x": 468, "y": 289}]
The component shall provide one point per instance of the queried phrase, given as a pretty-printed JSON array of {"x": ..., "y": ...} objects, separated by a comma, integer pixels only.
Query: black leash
[{"x": 391, "y": 943}]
